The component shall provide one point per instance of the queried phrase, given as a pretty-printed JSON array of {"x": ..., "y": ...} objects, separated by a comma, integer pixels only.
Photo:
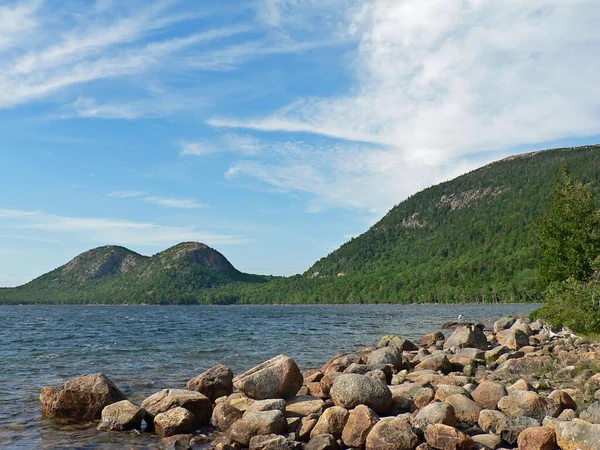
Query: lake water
[{"x": 147, "y": 348}]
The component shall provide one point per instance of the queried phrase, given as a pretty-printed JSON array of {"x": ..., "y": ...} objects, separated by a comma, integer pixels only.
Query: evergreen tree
[{"x": 569, "y": 233}]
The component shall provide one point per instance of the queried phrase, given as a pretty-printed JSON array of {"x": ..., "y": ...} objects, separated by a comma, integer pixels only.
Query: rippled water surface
[{"x": 147, "y": 348}]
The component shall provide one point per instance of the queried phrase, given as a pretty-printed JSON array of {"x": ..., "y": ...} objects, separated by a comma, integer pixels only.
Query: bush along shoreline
[{"x": 517, "y": 384}]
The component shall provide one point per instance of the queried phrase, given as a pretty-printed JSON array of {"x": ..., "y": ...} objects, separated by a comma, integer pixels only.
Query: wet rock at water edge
[
  {"x": 122, "y": 415},
  {"x": 214, "y": 383},
  {"x": 80, "y": 398}
]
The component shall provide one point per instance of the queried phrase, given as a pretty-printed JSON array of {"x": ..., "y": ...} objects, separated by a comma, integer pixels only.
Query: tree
[{"x": 569, "y": 233}]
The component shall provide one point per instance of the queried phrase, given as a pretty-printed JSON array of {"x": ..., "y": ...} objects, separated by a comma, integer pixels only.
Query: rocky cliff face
[{"x": 101, "y": 262}]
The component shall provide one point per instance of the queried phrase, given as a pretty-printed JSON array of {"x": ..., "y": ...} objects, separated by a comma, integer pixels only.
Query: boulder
[
  {"x": 304, "y": 405},
  {"x": 495, "y": 353},
  {"x": 214, "y": 383},
  {"x": 437, "y": 361},
  {"x": 443, "y": 437},
  {"x": 467, "y": 336},
  {"x": 538, "y": 438},
  {"x": 360, "y": 422},
  {"x": 81, "y": 398},
  {"x": 487, "y": 394},
  {"x": 526, "y": 403},
  {"x": 564, "y": 401},
  {"x": 396, "y": 341},
  {"x": 266, "y": 405},
  {"x": 322, "y": 442},
  {"x": 332, "y": 422},
  {"x": 503, "y": 324},
  {"x": 465, "y": 409},
  {"x": 392, "y": 434},
  {"x": 591, "y": 414},
  {"x": 487, "y": 441},
  {"x": 432, "y": 338},
  {"x": 176, "y": 420},
  {"x": 196, "y": 403},
  {"x": 522, "y": 325},
  {"x": 510, "y": 430},
  {"x": 437, "y": 412},
  {"x": 386, "y": 355},
  {"x": 279, "y": 377},
  {"x": 258, "y": 423},
  {"x": 351, "y": 390},
  {"x": 224, "y": 415},
  {"x": 513, "y": 339},
  {"x": 491, "y": 421},
  {"x": 444, "y": 390},
  {"x": 122, "y": 415},
  {"x": 578, "y": 434}
]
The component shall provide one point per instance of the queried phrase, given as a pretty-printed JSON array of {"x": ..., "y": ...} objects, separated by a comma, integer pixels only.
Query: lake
[{"x": 147, "y": 348}]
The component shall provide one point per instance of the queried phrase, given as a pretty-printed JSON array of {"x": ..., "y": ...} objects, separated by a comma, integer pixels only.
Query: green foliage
[
  {"x": 569, "y": 233},
  {"x": 574, "y": 304},
  {"x": 472, "y": 239}
]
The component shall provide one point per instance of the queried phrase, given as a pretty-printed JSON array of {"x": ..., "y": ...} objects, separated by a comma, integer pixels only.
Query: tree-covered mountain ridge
[{"x": 471, "y": 239}]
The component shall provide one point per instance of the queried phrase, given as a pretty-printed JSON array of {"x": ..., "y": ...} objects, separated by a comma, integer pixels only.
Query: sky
[{"x": 271, "y": 130}]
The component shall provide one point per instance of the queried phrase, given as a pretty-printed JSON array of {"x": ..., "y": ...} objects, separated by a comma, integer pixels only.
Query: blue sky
[{"x": 272, "y": 130}]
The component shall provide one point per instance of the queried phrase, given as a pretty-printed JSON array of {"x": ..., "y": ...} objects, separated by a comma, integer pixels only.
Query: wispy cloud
[
  {"x": 172, "y": 202},
  {"x": 110, "y": 231},
  {"x": 438, "y": 86},
  {"x": 126, "y": 194},
  {"x": 197, "y": 148}
]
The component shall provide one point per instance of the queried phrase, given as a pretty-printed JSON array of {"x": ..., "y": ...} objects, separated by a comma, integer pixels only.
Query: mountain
[
  {"x": 471, "y": 239},
  {"x": 114, "y": 274}
]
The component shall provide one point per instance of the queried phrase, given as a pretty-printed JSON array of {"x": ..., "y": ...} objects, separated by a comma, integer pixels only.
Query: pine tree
[{"x": 569, "y": 233}]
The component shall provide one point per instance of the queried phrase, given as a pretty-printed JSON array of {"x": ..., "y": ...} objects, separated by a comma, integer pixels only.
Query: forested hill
[
  {"x": 472, "y": 239},
  {"x": 469, "y": 239}
]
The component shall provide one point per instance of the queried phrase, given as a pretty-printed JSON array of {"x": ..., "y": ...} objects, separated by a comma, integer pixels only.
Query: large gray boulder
[
  {"x": 436, "y": 412},
  {"x": 350, "y": 390},
  {"x": 278, "y": 377},
  {"x": 467, "y": 336},
  {"x": 578, "y": 434}
]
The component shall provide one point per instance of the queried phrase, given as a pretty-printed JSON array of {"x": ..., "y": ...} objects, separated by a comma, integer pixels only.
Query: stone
[
  {"x": 522, "y": 325},
  {"x": 510, "y": 430},
  {"x": 258, "y": 423},
  {"x": 278, "y": 377},
  {"x": 423, "y": 397},
  {"x": 332, "y": 421},
  {"x": 513, "y": 339},
  {"x": 306, "y": 425},
  {"x": 437, "y": 361},
  {"x": 122, "y": 415},
  {"x": 538, "y": 438},
  {"x": 377, "y": 375},
  {"x": 503, "y": 324},
  {"x": 495, "y": 353},
  {"x": 563, "y": 400},
  {"x": 303, "y": 406},
  {"x": 567, "y": 414},
  {"x": 322, "y": 442},
  {"x": 176, "y": 442},
  {"x": 487, "y": 441},
  {"x": 240, "y": 401},
  {"x": 432, "y": 338},
  {"x": 467, "y": 336},
  {"x": 224, "y": 415},
  {"x": 272, "y": 442},
  {"x": 445, "y": 390},
  {"x": 351, "y": 390},
  {"x": 266, "y": 405},
  {"x": 491, "y": 421},
  {"x": 214, "y": 383},
  {"x": 465, "y": 409},
  {"x": 591, "y": 414},
  {"x": 392, "y": 434},
  {"x": 444, "y": 437},
  {"x": 487, "y": 394},
  {"x": 386, "y": 355},
  {"x": 81, "y": 398},
  {"x": 196, "y": 403},
  {"x": 578, "y": 434},
  {"x": 520, "y": 385},
  {"x": 360, "y": 422},
  {"x": 437, "y": 412},
  {"x": 176, "y": 420},
  {"x": 525, "y": 403},
  {"x": 396, "y": 341}
]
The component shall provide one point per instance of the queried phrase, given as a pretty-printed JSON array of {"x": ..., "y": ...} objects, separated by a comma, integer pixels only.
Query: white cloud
[
  {"x": 172, "y": 202},
  {"x": 189, "y": 148},
  {"x": 110, "y": 231},
  {"x": 126, "y": 194},
  {"x": 437, "y": 83}
]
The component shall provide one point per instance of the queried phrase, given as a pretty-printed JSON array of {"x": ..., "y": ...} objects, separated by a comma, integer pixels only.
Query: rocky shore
[{"x": 514, "y": 385}]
